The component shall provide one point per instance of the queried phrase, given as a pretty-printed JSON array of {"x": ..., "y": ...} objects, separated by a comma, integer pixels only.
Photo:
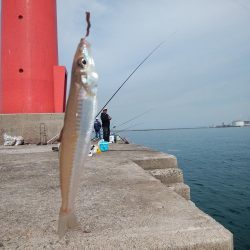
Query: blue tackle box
[{"x": 104, "y": 146}]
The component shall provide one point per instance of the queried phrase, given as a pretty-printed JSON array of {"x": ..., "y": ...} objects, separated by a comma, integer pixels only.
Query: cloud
[
  {"x": 199, "y": 76},
  {"x": 205, "y": 64}
]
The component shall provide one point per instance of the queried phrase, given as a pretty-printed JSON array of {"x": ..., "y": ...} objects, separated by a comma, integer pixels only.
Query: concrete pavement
[{"x": 120, "y": 203}]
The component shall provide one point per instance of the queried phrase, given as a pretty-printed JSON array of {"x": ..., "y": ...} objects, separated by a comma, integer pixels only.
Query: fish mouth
[{"x": 84, "y": 42}]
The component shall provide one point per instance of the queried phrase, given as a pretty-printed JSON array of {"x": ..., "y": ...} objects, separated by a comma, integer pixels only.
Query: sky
[{"x": 200, "y": 76}]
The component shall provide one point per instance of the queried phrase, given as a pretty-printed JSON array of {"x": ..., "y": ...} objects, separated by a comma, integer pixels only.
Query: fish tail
[{"x": 67, "y": 221}]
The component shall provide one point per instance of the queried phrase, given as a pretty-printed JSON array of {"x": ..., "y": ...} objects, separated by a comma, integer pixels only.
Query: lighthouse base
[{"x": 34, "y": 128}]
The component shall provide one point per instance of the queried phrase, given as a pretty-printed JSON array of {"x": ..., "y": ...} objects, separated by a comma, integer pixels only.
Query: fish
[{"x": 76, "y": 133}]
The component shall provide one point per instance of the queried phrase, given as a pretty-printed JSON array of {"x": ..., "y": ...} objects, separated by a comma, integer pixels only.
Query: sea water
[{"x": 216, "y": 166}]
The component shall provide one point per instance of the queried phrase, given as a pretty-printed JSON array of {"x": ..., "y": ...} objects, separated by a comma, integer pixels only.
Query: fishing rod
[
  {"x": 157, "y": 47},
  {"x": 132, "y": 119},
  {"x": 129, "y": 127}
]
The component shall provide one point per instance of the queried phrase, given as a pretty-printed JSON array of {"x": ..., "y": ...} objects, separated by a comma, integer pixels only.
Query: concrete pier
[{"x": 130, "y": 198}]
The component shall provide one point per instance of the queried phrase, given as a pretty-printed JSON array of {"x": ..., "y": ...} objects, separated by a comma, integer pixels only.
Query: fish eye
[{"x": 82, "y": 62}]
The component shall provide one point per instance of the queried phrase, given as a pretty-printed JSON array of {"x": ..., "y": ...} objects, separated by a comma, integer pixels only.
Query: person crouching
[{"x": 97, "y": 127}]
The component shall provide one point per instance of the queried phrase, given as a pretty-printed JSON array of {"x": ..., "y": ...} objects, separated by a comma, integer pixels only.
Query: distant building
[
  {"x": 246, "y": 123},
  {"x": 240, "y": 123}
]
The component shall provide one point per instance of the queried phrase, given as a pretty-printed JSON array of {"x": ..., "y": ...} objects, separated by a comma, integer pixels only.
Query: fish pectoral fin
[{"x": 67, "y": 221}]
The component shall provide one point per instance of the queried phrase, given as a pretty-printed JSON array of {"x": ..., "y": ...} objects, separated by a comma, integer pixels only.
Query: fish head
[{"x": 83, "y": 69}]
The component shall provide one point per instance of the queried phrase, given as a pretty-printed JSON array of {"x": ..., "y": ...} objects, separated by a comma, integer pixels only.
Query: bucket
[{"x": 104, "y": 146}]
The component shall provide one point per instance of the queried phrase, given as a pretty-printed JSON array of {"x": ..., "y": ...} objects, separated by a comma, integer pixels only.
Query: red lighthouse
[{"x": 31, "y": 80}]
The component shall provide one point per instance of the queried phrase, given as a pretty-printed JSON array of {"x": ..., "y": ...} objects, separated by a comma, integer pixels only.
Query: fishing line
[{"x": 156, "y": 129}]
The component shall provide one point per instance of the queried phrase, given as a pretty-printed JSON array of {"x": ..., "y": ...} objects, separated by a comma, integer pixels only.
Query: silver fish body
[{"x": 77, "y": 130}]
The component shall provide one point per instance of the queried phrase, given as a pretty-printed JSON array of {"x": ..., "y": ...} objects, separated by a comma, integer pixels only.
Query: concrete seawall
[
  {"x": 130, "y": 198},
  {"x": 35, "y": 128}
]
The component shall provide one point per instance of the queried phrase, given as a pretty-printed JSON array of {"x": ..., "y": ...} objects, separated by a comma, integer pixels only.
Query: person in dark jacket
[
  {"x": 105, "y": 124},
  {"x": 97, "y": 127}
]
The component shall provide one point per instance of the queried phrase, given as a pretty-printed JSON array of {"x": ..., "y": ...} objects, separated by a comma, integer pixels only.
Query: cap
[{"x": 105, "y": 109}]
